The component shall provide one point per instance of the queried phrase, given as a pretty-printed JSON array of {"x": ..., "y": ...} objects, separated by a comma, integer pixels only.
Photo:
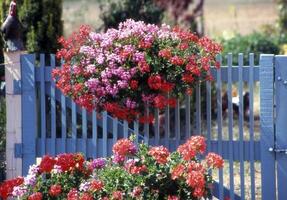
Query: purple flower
[
  {"x": 19, "y": 191},
  {"x": 98, "y": 163},
  {"x": 118, "y": 159}
]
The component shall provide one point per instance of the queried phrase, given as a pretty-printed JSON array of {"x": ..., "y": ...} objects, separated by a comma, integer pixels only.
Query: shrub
[
  {"x": 256, "y": 43},
  {"x": 131, "y": 173}
]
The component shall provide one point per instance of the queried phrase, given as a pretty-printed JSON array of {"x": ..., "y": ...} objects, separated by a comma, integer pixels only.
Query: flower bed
[
  {"x": 137, "y": 65},
  {"x": 131, "y": 173}
]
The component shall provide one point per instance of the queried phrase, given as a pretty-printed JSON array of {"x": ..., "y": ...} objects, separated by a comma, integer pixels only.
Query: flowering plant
[
  {"x": 131, "y": 173},
  {"x": 137, "y": 65}
]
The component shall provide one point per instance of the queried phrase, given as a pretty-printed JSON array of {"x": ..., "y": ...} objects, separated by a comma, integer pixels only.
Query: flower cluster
[
  {"x": 143, "y": 173},
  {"x": 137, "y": 65}
]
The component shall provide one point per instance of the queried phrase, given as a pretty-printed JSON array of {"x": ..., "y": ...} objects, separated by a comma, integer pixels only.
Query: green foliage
[
  {"x": 42, "y": 23},
  {"x": 282, "y": 19},
  {"x": 255, "y": 42},
  {"x": 118, "y": 11}
]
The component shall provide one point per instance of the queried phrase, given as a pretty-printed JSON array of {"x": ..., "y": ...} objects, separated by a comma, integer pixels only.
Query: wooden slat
[
  {"x": 146, "y": 127},
  {"x": 251, "y": 125},
  {"x": 241, "y": 125},
  {"x": 28, "y": 111},
  {"x": 156, "y": 126},
  {"x": 167, "y": 126},
  {"x": 230, "y": 124},
  {"x": 177, "y": 122},
  {"x": 187, "y": 116},
  {"x": 53, "y": 109},
  {"x": 268, "y": 180},
  {"x": 208, "y": 114},
  {"x": 198, "y": 110},
  {"x": 74, "y": 127},
  {"x": 63, "y": 120},
  {"x": 43, "y": 103},
  {"x": 219, "y": 123},
  {"x": 115, "y": 130},
  {"x": 281, "y": 124},
  {"x": 94, "y": 134},
  {"x": 136, "y": 131},
  {"x": 105, "y": 135},
  {"x": 84, "y": 131}
]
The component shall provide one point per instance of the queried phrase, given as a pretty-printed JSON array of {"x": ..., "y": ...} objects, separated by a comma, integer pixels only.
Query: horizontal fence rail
[{"x": 222, "y": 111}]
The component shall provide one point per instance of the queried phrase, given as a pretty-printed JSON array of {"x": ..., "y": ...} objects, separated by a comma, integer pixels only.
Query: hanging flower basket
[
  {"x": 137, "y": 65},
  {"x": 131, "y": 173}
]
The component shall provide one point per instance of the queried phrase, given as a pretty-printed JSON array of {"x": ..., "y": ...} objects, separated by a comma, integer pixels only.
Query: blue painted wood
[
  {"x": 187, "y": 116},
  {"x": 198, "y": 110},
  {"x": 208, "y": 114},
  {"x": 156, "y": 126},
  {"x": 136, "y": 131},
  {"x": 177, "y": 123},
  {"x": 43, "y": 103},
  {"x": 167, "y": 126},
  {"x": 219, "y": 123},
  {"x": 241, "y": 125},
  {"x": 251, "y": 125},
  {"x": 216, "y": 188},
  {"x": 267, "y": 127},
  {"x": 74, "y": 127},
  {"x": 280, "y": 123},
  {"x": 115, "y": 130},
  {"x": 146, "y": 127},
  {"x": 105, "y": 134},
  {"x": 94, "y": 134},
  {"x": 63, "y": 123},
  {"x": 230, "y": 124},
  {"x": 84, "y": 131},
  {"x": 53, "y": 109},
  {"x": 28, "y": 100}
]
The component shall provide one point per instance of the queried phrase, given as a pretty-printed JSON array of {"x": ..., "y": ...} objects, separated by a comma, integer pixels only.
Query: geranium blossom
[{"x": 118, "y": 69}]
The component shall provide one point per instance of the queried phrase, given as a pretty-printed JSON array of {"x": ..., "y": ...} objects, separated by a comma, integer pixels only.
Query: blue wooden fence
[{"x": 54, "y": 124}]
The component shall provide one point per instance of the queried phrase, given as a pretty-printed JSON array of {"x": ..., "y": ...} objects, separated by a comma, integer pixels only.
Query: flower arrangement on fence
[
  {"x": 131, "y": 173},
  {"x": 137, "y": 65}
]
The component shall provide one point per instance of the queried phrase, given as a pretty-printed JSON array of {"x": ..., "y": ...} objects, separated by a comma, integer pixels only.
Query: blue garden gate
[{"x": 226, "y": 111}]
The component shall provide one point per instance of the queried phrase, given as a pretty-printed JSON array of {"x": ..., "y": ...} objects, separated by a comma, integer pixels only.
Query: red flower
[
  {"x": 96, "y": 185},
  {"x": 55, "y": 190},
  {"x": 117, "y": 195},
  {"x": 165, "y": 53},
  {"x": 6, "y": 188},
  {"x": 195, "y": 179},
  {"x": 146, "y": 119},
  {"x": 177, "y": 171},
  {"x": 134, "y": 84},
  {"x": 188, "y": 78},
  {"x": 173, "y": 197},
  {"x": 47, "y": 164},
  {"x": 137, "y": 192},
  {"x": 73, "y": 194},
  {"x": 144, "y": 67},
  {"x": 160, "y": 154},
  {"x": 188, "y": 150},
  {"x": 189, "y": 91},
  {"x": 166, "y": 87},
  {"x": 213, "y": 160},
  {"x": 124, "y": 147},
  {"x": 145, "y": 44},
  {"x": 36, "y": 196},
  {"x": 183, "y": 46},
  {"x": 160, "y": 102},
  {"x": 176, "y": 60},
  {"x": 155, "y": 82},
  {"x": 87, "y": 196},
  {"x": 172, "y": 102}
]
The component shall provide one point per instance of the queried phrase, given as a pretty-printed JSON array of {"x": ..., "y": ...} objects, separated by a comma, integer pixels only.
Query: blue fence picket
[
  {"x": 53, "y": 110},
  {"x": 251, "y": 125},
  {"x": 219, "y": 123},
  {"x": 281, "y": 125},
  {"x": 74, "y": 127},
  {"x": 241, "y": 125},
  {"x": 94, "y": 134},
  {"x": 28, "y": 111},
  {"x": 268, "y": 182},
  {"x": 230, "y": 125},
  {"x": 84, "y": 131},
  {"x": 43, "y": 104}
]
